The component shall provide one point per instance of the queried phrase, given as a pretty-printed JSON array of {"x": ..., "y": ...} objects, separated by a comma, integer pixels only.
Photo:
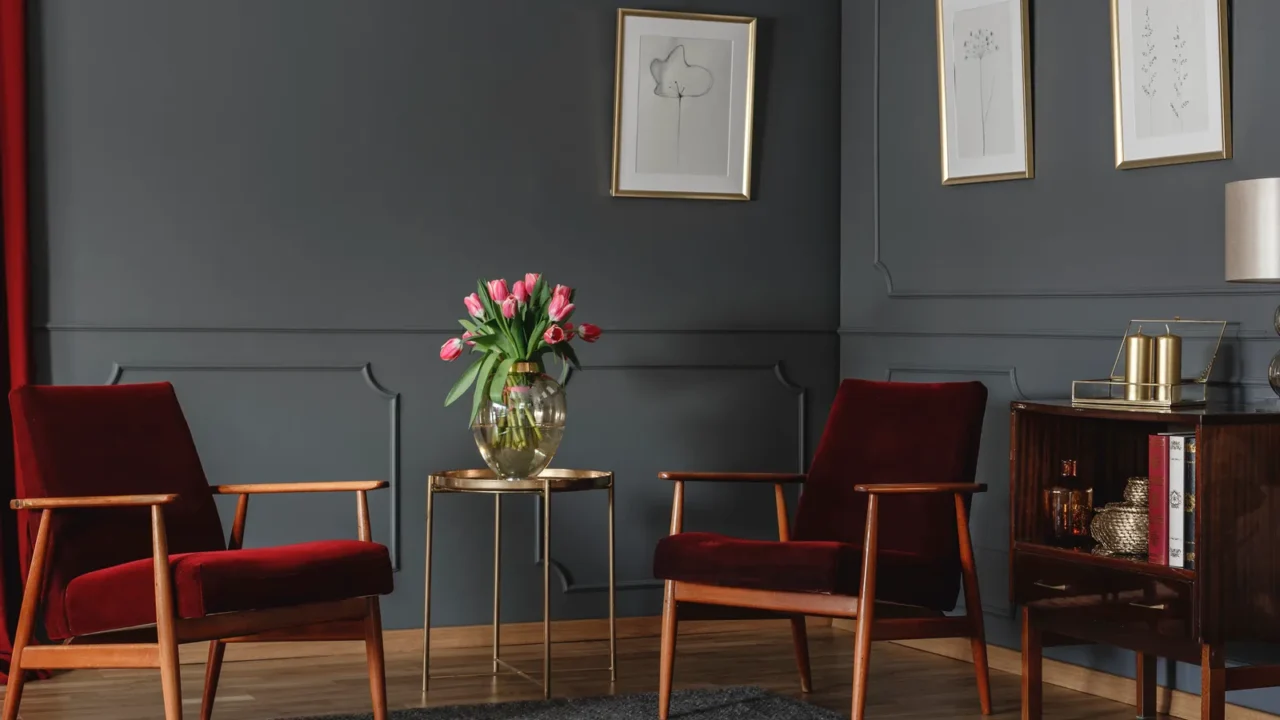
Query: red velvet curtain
[{"x": 13, "y": 205}]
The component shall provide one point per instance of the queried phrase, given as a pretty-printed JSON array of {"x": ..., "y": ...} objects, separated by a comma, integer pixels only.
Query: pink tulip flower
[
  {"x": 553, "y": 335},
  {"x": 588, "y": 332},
  {"x": 467, "y": 336},
  {"x": 520, "y": 291},
  {"x": 498, "y": 290},
  {"x": 531, "y": 281},
  {"x": 559, "y": 308},
  {"x": 474, "y": 307},
  {"x": 569, "y": 331},
  {"x": 451, "y": 350},
  {"x": 509, "y": 307},
  {"x": 564, "y": 290}
]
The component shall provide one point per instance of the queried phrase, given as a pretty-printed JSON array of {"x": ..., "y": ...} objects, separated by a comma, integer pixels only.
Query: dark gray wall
[
  {"x": 1028, "y": 285},
  {"x": 278, "y": 205}
]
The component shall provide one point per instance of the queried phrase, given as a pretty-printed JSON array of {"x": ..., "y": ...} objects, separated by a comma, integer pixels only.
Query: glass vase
[{"x": 519, "y": 436}]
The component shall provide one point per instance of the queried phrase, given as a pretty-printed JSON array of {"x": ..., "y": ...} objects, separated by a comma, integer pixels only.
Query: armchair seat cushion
[
  {"x": 803, "y": 566},
  {"x": 206, "y": 583}
]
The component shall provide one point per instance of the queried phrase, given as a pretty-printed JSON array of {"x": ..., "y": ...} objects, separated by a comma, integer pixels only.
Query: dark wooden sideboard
[{"x": 1072, "y": 596}]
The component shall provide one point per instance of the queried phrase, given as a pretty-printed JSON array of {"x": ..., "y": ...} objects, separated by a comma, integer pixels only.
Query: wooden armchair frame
[
  {"x": 899, "y": 622},
  {"x": 157, "y": 647}
]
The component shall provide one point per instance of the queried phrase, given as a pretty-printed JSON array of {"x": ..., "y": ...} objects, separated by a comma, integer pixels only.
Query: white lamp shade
[{"x": 1253, "y": 231}]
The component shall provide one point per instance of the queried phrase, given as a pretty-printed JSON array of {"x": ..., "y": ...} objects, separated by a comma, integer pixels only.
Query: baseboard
[
  {"x": 1175, "y": 703},
  {"x": 477, "y": 636}
]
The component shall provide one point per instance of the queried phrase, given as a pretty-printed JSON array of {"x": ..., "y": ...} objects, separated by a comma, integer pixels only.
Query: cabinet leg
[
  {"x": 1031, "y": 664},
  {"x": 1146, "y": 686},
  {"x": 1213, "y": 683}
]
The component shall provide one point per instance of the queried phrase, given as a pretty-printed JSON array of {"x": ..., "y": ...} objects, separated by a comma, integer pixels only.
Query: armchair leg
[
  {"x": 377, "y": 665},
  {"x": 26, "y": 618},
  {"x": 973, "y": 607},
  {"x": 212, "y": 669},
  {"x": 800, "y": 638},
  {"x": 667, "y": 663},
  {"x": 866, "y": 611},
  {"x": 166, "y": 637}
]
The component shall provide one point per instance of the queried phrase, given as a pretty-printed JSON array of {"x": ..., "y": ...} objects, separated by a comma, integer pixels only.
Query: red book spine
[{"x": 1158, "y": 499}]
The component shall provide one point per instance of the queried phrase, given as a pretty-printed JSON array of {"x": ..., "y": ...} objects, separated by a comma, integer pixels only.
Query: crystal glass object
[{"x": 519, "y": 436}]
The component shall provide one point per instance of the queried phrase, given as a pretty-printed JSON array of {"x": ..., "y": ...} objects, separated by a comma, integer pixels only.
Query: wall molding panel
[
  {"x": 1009, "y": 373},
  {"x": 374, "y": 330},
  {"x": 365, "y": 370}
]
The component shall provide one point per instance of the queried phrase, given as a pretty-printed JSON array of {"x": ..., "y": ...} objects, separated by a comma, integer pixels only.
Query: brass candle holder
[{"x": 1153, "y": 367}]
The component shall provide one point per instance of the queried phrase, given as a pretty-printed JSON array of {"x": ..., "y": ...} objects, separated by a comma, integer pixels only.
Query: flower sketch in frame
[
  {"x": 1171, "y": 81},
  {"x": 984, "y": 91},
  {"x": 683, "y": 105}
]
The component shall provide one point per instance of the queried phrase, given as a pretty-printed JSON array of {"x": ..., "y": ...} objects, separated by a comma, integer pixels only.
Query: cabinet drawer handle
[
  {"x": 1160, "y": 606},
  {"x": 1047, "y": 585}
]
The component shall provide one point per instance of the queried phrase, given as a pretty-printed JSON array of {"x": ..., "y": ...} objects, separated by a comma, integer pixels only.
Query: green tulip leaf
[
  {"x": 482, "y": 384},
  {"x": 500, "y": 379},
  {"x": 463, "y": 382}
]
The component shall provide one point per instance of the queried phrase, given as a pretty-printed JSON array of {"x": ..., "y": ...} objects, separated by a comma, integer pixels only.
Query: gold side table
[{"x": 547, "y": 483}]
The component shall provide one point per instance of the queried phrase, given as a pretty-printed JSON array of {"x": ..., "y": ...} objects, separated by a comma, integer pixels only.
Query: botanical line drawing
[
  {"x": 1148, "y": 68},
  {"x": 1180, "y": 75},
  {"x": 981, "y": 43},
  {"x": 676, "y": 78}
]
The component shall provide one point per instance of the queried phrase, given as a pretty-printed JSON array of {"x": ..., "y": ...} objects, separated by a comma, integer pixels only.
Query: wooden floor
[{"x": 905, "y": 683}]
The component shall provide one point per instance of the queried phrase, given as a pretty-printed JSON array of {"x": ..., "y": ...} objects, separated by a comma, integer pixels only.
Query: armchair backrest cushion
[
  {"x": 107, "y": 440},
  {"x": 894, "y": 432}
]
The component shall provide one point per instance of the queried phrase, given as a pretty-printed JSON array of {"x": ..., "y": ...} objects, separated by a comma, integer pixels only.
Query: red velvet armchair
[
  {"x": 881, "y": 533},
  {"x": 127, "y": 558}
]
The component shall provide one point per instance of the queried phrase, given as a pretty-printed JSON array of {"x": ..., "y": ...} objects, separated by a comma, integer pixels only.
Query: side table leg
[
  {"x": 1031, "y": 668},
  {"x": 1146, "y": 686},
  {"x": 426, "y": 597},
  {"x": 546, "y": 589},
  {"x": 497, "y": 578},
  {"x": 613, "y": 589},
  {"x": 1213, "y": 683}
]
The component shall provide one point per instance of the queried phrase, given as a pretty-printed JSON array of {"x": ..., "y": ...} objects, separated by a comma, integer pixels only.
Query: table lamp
[{"x": 1253, "y": 242}]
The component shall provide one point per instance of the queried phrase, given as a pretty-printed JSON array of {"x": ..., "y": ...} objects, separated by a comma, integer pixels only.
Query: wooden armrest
[
  {"x": 304, "y": 487},
  {"x": 921, "y": 488},
  {"x": 774, "y": 478},
  {"x": 92, "y": 501}
]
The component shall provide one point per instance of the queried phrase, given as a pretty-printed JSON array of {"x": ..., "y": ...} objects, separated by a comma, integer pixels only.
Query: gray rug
[{"x": 737, "y": 703}]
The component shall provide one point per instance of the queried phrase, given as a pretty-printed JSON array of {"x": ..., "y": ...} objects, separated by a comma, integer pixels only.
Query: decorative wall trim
[
  {"x": 366, "y": 372},
  {"x": 568, "y": 585},
  {"x": 405, "y": 330},
  {"x": 1011, "y": 373},
  {"x": 948, "y": 294},
  {"x": 1114, "y": 335}
]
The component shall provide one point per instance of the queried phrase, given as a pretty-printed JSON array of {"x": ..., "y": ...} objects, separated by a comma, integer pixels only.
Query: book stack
[{"x": 1171, "y": 472}]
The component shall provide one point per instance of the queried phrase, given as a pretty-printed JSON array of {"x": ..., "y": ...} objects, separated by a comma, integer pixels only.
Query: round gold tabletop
[{"x": 484, "y": 481}]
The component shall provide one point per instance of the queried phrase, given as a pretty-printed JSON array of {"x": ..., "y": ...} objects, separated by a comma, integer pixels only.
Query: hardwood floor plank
[{"x": 904, "y": 683}]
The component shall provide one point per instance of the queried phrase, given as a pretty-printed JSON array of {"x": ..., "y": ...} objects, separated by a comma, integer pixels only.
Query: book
[
  {"x": 1177, "y": 490},
  {"x": 1189, "y": 507},
  {"x": 1158, "y": 499}
]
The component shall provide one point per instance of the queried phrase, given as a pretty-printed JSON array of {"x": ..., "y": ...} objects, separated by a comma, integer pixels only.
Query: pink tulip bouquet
[{"x": 510, "y": 325}]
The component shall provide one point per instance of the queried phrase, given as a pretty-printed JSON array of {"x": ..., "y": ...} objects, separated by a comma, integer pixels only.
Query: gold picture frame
[
  {"x": 627, "y": 179},
  {"x": 1216, "y": 9},
  {"x": 1018, "y": 163}
]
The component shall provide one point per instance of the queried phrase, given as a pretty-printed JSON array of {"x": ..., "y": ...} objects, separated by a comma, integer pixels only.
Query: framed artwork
[
  {"x": 683, "y": 98},
  {"x": 1171, "y": 79},
  {"x": 984, "y": 91}
]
